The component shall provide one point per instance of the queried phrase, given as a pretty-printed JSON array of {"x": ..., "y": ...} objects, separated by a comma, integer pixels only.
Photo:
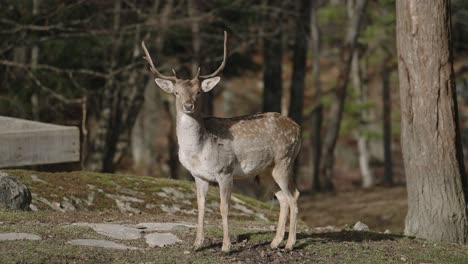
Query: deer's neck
[{"x": 190, "y": 132}]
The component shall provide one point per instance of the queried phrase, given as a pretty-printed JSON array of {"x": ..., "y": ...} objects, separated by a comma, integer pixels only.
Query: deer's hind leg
[{"x": 287, "y": 196}]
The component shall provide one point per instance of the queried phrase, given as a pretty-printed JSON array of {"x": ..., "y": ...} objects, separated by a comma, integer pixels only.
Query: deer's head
[{"x": 187, "y": 92}]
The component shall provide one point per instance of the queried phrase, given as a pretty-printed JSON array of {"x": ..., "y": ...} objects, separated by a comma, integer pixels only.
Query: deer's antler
[
  {"x": 221, "y": 67},
  {"x": 153, "y": 69}
]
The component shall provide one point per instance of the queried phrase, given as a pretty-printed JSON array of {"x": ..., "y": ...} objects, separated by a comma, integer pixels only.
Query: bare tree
[{"x": 430, "y": 137}]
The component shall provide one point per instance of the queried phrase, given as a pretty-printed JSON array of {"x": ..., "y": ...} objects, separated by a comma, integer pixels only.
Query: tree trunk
[
  {"x": 336, "y": 111},
  {"x": 99, "y": 159},
  {"x": 430, "y": 138},
  {"x": 299, "y": 67},
  {"x": 272, "y": 65},
  {"x": 317, "y": 115},
  {"x": 387, "y": 122},
  {"x": 300, "y": 61},
  {"x": 152, "y": 134},
  {"x": 35, "y": 108},
  {"x": 358, "y": 71}
]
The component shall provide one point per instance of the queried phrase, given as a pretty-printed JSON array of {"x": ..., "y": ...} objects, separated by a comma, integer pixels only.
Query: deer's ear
[
  {"x": 165, "y": 85},
  {"x": 210, "y": 83}
]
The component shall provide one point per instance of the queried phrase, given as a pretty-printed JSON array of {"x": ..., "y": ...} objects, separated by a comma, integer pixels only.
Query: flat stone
[
  {"x": 150, "y": 227},
  {"x": 99, "y": 243},
  {"x": 18, "y": 236},
  {"x": 114, "y": 230},
  {"x": 161, "y": 239}
]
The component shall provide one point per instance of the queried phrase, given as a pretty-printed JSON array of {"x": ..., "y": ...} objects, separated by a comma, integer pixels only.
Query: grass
[
  {"x": 380, "y": 208},
  {"x": 249, "y": 246}
]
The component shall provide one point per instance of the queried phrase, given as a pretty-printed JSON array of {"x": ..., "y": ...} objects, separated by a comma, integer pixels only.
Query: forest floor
[{"x": 64, "y": 201}]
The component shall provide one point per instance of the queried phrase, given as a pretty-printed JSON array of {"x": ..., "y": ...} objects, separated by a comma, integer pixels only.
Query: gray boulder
[{"x": 13, "y": 194}]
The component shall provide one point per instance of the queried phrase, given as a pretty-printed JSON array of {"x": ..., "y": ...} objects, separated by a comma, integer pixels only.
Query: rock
[
  {"x": 99, "y": 243},
  {"x": 123, "y": 202},
  {"x": 18, "y": 236},
  {"x": 360, "y": 226},
  {"x": 53, "y": 205},
  {"x": 67, "y": 205},
  {"x": 151, "y": 227},
  {"x": 36, "y": 178},
  {"x": 173, "y": 192},
  {"x": 13, "y": 194},
  {"x": 161, "y": 239},
  {"x": 387, "y": 231},
  {"x": 329, "y": 228},
  {"x": 33, "y": 207},
  {"x": 114, "y": 230}
]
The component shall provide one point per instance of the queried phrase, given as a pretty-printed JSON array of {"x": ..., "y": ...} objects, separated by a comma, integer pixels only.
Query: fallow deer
[{"x": 220, "y": 149}]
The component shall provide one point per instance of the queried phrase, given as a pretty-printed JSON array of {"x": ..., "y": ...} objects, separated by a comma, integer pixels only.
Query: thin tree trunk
[
  {"x": 430, "y": 137},
  {"x": 150, "y": 143},
  {"x": 387, "y": 122},
  {"x": 34, "y": 61},
  {"x": 130, "y": 105},
  {"x": 193, "y": 11},
  {"x": 99, "y": 159},
  {"x": 300, "y": 61},
  {"x": 336, "y": 111},
  {"x": 317, "y": 115},
  {"x": 272, "y": 73},
  {"x": 358, "y": 71},
  {"x": 299, "y": 67}
]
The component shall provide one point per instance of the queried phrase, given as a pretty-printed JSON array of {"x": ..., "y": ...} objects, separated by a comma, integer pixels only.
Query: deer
[{"x": 219, "y": 150}]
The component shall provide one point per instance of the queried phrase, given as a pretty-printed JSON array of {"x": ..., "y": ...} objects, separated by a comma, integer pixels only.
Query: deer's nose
[{"x": 188, "y": 107}]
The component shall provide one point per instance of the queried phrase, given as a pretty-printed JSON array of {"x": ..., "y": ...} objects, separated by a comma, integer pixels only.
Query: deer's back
[{"x": 256, "y": 141}]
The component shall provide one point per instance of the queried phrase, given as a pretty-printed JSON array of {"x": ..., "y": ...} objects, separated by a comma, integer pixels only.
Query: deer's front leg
[
  {"x": 202, "y": 188},
  {"x": 225, "y": 188}
]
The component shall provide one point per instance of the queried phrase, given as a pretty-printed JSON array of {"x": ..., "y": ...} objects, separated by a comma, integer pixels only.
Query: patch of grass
[{"x": 78, "y": 185}]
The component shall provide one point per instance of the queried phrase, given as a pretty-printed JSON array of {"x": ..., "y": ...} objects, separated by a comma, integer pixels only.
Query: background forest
[{"x": 329, "y": 65}]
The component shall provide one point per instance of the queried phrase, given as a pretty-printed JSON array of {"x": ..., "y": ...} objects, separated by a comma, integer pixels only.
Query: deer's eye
[
  {"x": 199, "y": 92},
  {"x": 176, "y": 93}
]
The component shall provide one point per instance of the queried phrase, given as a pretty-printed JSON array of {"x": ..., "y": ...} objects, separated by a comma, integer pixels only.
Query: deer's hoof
[
  {"x": 197, "y": 245},
  {"x": 289, "y": 246},
  {"x": 226, "y": 248},
  {"x": 275, "y": 244}
]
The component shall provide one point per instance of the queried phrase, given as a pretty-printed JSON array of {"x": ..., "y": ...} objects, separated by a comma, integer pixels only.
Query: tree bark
[
  {"x": 336, "y": 111},
  {"x": 317, "y": 115},
  {"x": 430, "y": 138}
]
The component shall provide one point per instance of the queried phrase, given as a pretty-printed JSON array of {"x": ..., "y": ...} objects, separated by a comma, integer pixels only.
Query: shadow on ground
[{"x": 306, "y": 239}]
